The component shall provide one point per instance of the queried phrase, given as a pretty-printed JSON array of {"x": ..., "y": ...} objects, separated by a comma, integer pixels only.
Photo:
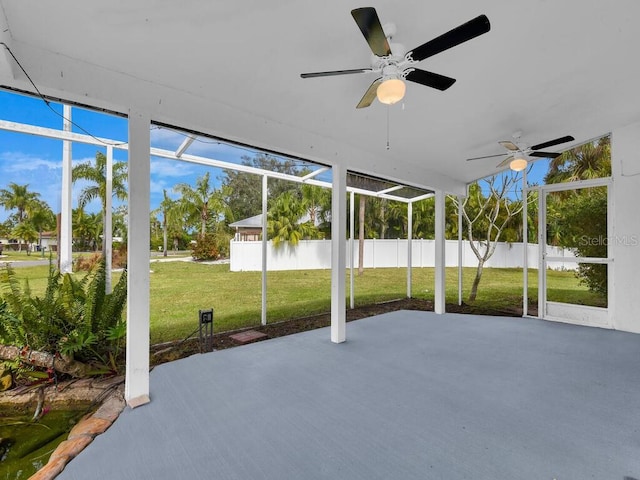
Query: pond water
[{"x": 26, "y": 446}]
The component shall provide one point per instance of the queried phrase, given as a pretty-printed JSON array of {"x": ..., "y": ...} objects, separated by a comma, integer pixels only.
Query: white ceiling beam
[
  {"x": 186, "y": 143},
  {"x": 163, "y": 153}
]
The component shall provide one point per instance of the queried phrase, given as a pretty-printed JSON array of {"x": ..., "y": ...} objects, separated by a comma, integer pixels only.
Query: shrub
[
  {"x": 206, "y": 248},
  {"x": 75, "y": 317}
]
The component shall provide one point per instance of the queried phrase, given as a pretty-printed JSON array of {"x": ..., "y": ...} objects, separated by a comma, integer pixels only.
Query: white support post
[
  {"x": 460, "y": 259},
  {"x": 265, "y": 192},
  {"x": 525, "y": 244},
  {"x": 66, "y": 207},
  {"x": 137, "y": 367},
  {"x": 352, "y": 226},
  {"x": 338, "y": 253},
  {"x": 542, "y": 247},
  {"x": 409, "y": 246},
  {"x": 439, "y": 300},
  {"x": 107, "y": 236}
]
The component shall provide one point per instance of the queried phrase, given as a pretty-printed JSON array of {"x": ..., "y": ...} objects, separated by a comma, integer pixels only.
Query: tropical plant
[
  {"x": 243, "y": 190},
  {"x": 171, "y": 224},
  {"x": 577, "y": 219},
  {"x": 201, "y": 203},
  {"x": 25, "y": 231},
  {"x": 74, "y": 317},
  {"x": 41, "y": 217},
  {"x": 284, "y": 221},
  {"x": 86, "y": 229},
  {"x": 96, "y": 175},
  {"x": 19, "y": 198}
]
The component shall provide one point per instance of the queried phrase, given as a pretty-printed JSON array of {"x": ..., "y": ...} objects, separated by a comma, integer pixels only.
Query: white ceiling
[{"x": 231, "y": 69}]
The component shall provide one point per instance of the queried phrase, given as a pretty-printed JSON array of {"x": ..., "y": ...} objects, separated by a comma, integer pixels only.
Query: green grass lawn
[{"x": 180, "y": 289}]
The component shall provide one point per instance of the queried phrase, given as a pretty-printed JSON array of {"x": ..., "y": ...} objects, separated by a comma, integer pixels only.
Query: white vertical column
[
  {"x": 265, "y": 192},
  {"x": 460, "y": 260},
  {"x": 439, "y": 300},
  {"x": 137, "y": 367},
  {"x": 338, "y": 253},
  {"x": 107, "y": 237},
  {"x": 409, "y": 246},
  {"x": 352, "y": 225},
  {"x": 525, "y": 245},
  {"x": 66, "y": 207},
  {"x": 542, "y": 251}
]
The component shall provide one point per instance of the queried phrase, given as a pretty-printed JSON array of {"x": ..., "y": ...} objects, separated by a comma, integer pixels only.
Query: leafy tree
[
  {"x": 25, "y": 231},
  {"x": 317, "y": 202},
  {"x": 19, "y": 198},
  {"x": 6, "y": 227},
  {"x": 171, "y": 224},
  {"x": 283, "y": 221},
  {"x": 87, "y": 228},
  {"x": 41, "y": 217},
  {"x": 243, "y": 194},
  {"x": 96, "y": 174},
  {"x": 201, "y": 203},
  {"x": 591, "y": 160},
  {"x": 577, "y": 219}
]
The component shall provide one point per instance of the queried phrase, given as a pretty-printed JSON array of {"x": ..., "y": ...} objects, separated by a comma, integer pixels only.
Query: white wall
[
  {"x": 316, "y": 254},
  {"x": 625, "y": 244}
]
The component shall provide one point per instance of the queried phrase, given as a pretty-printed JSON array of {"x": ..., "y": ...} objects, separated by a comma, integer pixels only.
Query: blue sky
[{"x": 37, "y": 161}]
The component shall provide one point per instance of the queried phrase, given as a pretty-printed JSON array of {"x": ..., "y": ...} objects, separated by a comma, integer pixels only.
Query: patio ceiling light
[
  {"x": 391, "y": 91},
  {"x": 518, "y": 164}
]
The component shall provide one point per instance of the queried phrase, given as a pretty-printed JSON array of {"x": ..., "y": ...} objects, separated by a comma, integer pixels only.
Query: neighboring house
[
  {"x": 248, "y": 229},
  {"x": 49, "y": 242}
]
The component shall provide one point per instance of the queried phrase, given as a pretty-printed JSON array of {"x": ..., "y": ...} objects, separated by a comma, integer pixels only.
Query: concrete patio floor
[{"x": 410, "y": 395}]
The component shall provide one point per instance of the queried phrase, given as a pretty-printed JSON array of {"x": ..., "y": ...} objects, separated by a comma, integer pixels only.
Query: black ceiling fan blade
[
  {"x": 430, "y": 79},
  {"x": 551, "y": 143},
  {"x": 370, "y": 95},
  {"x": 370, "y": 26},
  {"x": 458, "y": 35},
  {"x": 335, "y": 72},
  {"x": 487, "y": 156},
  {"x": 545, "y": 154}
]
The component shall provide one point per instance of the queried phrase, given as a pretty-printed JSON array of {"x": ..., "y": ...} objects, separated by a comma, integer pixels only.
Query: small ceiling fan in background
[
  {"x": 393, "y": 64},
  {"x": 517, "y": 153}
]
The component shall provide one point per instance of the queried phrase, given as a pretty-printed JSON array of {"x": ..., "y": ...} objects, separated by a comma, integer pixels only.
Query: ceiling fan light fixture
[
  {"x": 391, "y": 91},
  {"x": 518, "y": 164}
]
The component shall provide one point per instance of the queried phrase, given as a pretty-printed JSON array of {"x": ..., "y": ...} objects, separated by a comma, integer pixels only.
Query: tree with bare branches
[{"x": 487, "y": 210}]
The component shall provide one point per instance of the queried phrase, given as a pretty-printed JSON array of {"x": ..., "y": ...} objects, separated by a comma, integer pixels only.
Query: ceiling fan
[
  {"x": 393, "y": 64},
  {"x": 517, "y": 153}
]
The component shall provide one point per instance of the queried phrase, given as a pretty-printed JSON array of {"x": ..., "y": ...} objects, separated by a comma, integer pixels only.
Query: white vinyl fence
[{"x": 316, "y": 254}]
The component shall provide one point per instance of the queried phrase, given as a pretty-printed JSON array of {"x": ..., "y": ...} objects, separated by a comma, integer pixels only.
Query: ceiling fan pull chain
[{"x": 388, "y": 108}]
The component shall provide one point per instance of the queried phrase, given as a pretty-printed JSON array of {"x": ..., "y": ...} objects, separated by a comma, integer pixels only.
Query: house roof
[
  {"x": 232, "y": 70},
  {"x": 251, "y": 222}
]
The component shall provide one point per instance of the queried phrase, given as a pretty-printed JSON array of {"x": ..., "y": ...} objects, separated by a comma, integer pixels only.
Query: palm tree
[
  {"x": 283, "y": 221},
  {"x": 317, "y": 201},
  {"x": 170, "y": 218},
  {"x": 17, "y": 197},
  {"x": 201, "y": 203},
  {"x": 591, "y": 160},
  {"x": 86, "y": 228},
  {"x": 97, "y": 176},
  {"x": 41, "y": 217},
  {"x": 25, "y": 231}
]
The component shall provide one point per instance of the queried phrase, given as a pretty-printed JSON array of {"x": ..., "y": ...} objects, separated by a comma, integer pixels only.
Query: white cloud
[
  {"x": 170, "y": 168},
  {"x": 20, "y": 161}
]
